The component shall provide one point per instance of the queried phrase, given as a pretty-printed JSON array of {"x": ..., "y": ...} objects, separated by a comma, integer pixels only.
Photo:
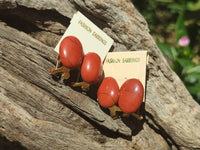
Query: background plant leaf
[
  {"x": 167, "y": 50},
  {"x": 180, "y": 27}
]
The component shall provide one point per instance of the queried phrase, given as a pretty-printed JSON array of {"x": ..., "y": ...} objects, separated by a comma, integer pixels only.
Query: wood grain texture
[{"x": 34, "y": 105}]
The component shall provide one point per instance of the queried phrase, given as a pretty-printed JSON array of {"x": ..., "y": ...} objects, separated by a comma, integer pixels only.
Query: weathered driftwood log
[{"x": 42, "y": 113}]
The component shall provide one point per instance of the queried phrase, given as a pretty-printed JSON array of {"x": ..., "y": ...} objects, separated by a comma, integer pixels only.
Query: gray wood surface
[{"x": 42, "y": 113}]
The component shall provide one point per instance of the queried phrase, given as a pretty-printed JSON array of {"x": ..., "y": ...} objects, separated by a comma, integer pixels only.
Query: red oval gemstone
[
  {"x": 108, "y": 92},
  {"x": 71, "y": 52},
  {"x": 91, "y": 69},
  {"x": 131, "y": 95}
]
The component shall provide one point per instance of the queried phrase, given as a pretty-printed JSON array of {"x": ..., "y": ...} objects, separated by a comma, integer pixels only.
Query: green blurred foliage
[{"x": 169, "y": 20}]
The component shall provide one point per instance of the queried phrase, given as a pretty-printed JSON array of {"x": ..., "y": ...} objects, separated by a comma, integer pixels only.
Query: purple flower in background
[{"x": 184, "y": 41}]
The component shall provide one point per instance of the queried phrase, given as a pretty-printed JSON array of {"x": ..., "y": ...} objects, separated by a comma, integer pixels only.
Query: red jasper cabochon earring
[
  {"x": 108, "y": 92},
  {"x": 91, "y": 69},
  {"x": 131, "y": 95},
  {"x": 71, "y": 52}
]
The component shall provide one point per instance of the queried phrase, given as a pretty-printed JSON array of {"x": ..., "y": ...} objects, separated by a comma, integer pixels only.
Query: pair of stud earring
[{"x": 126, "y": 99}]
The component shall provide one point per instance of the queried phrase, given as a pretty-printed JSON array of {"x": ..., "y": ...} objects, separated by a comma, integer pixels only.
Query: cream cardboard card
[
  {"x": 92, "y": 38},
  {"x": 126, "y": 65}
]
